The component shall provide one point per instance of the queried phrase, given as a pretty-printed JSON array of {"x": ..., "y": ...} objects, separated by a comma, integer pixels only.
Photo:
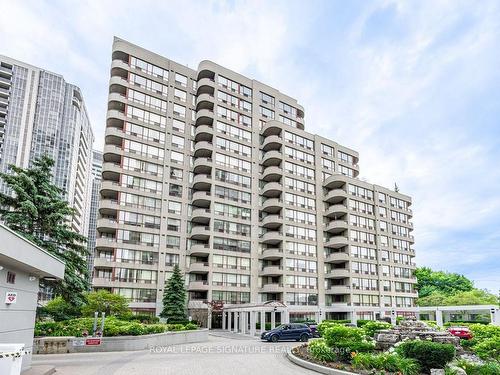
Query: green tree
[
  {"x": 472, "y": 297},
  {"x": 429, "y": 282},
  {"x": 174, "y": 298},
  {"x": 104, "y": 301},
  {"x": 36, "y": 210},
  {"x": 58, "y": 309}
]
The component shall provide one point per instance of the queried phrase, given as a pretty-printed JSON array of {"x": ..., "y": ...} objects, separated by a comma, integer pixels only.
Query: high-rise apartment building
[
  {"x": 96, "y": 177},
  {"x": 42, "y": 114},
  {"x": 214, "y": 171}
]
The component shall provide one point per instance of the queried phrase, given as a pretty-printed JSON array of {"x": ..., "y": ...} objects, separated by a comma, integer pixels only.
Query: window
[
  {"x": 302, "y": 233},
  {"x": 178, "y": 125},
  {"x": 232, "y": 194},
  {"x": 173, "y": 242},
  {"x": 301, "y": 299},
  {"x": 177, "y": 157},
  {"x": 300, "y": 201},
  {"x": 145, "y": 133},
  {"x": 328, "y": 164},
  {"x": 267, "y": 113},
  {"x": 298, "y": 140},
  {"x": 231, "y": 228},
  {"x": 234, "y": 131},
  {"x": 346, "y": 171},
  {"x": 11, "y": 277},
  {"x": 381, "y": 197},
  {"x": 346, "y": 158},
  {"x": 175, "y": 190},
  {"x": 266, "y": 98},
  {"x": 176, "y": 174},
  {"x": 232, "y": 162},
  {"x": 148, "y": 68},
  {"x": 288, "y": 109},
  {"x": 234, "y": 86},
  {"x": 299, "y": 185},
  {"x": 146, "y": 100},
  {"x": 177, "y": 141},
  {"x": 299, "y": 155},
  {"x": 179, "y": 110},
  {"x": 327, "y": 150},
  {"x": 237, "y": 148},
  {"x": 232, "y": 178},
  {"x": 231, "y": 244},
  {"x": 148, "y": 84},
  {"x": 180, "y": 79},
  {"x": 299, "y": 170},
  {"x": 174, "y": 207},
  {"x": 145, "y": 116},
  {"x": 180, "y": 95},
  {"x": 300, "y": 249},
  {"x": 173, "y": 224}
]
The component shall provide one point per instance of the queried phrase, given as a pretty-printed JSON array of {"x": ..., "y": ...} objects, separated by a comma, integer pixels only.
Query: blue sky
[{"x": 414, "y": 86}]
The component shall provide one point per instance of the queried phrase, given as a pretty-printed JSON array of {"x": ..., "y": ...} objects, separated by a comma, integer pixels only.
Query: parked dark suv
[{"x": 293, "y": 331}]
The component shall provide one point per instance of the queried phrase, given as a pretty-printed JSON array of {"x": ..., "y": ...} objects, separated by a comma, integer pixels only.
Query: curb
[{"x": 315, "y": 367}]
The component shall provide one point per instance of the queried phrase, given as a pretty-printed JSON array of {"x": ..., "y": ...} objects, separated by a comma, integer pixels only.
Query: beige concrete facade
[{"x": 214, "y": 171}]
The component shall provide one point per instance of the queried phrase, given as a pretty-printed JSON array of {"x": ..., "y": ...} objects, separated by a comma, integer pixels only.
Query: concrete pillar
[
  {"x": 320, "y": 316},
  {"x": 285, "y": 316},
  {"x": 243, "y": 322},
  {"x": 236, "y": 322},
  {"x": 229, "y": 322},
  {"x": 495, "y": 316},
  {"x": 223, "y": 320},
  {"x": 354, "y": 317},
  {"x": 439, "y": 318},
  {"x": 393, "y": 317},
  {"x": 273, "y": 319},
  {"x": 262, "y": 321},
  {"x": 253, "y": 316}
]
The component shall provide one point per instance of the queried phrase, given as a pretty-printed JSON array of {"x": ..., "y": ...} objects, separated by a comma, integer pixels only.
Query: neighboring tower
[
  {"x": 42, "y": 114},
  {"x": 96, "y": 178}
]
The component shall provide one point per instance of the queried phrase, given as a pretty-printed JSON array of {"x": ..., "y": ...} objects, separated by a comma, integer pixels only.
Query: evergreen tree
[
  {"x": 174, "y": 297},
  {"x": 36, "y": 210}
]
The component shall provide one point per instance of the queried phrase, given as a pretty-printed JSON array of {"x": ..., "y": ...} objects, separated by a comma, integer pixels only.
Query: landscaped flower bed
[
  {"x": 353, "y": 349},
  {"x": 112, "y": 327}
]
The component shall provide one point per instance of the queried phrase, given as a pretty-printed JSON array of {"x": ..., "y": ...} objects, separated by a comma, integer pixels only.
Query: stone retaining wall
[{"x": 59, "y": 345}]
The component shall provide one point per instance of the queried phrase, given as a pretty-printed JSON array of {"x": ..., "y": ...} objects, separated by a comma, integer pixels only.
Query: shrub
[
  {"x": 428, "y": 354},
  {"x": 112, "y": 327},
  {"x": 58, "y": 309},
  {"x": 190, "y": 326},
  {"x": 142, "y": 318},
  {"x": 346, "y": 340},
  {"x": 326, "y": 324},
  {"x": 488, "y": 348},
  {"x": 372, "y": 327},
  {"x": 104, "y": 301},
  {"x": 388, "y": 362},
  {"x": 361, "y": 322},
  {"x": 321, "y": 351},
  {"x": 490, "y": 368}
]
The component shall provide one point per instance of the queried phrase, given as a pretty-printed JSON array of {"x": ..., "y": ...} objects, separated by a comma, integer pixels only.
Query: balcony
[
  {"x": 337, "y": 257},
  {"x": 336, "y": 181},
  {"x": 105, "y": 223},
  {"x": 271, "y": 288},
  {"x": 272, "y": 221},
  {"x": 108, "y": 207},
  {"x": 203, "y": 149},
  {"x": 272, "y": 253},
  {"x": 272, "y": 127},
  {"x": 273, "y": 142},
  {"x": 271, "y": 237},
  {"x": 337, "y": 242},
  {"x": 272, "y": 205},
  {"x": 203, "y": 166},
  {"x": 205, "y": 101},
  {"x": 208, "y": 82},
  {"x": 272, "y": 189},
  {"x": 199, "y": 267},
  {"x": 200, "y": 232},
  {"x": 336, "y": 210},
  {"x": 199, "y": 250},
  {"x": 200, "y": 215},
  {"x": 335, "y": 196},
  {"x": 338, "y": 289},
  {"x": 204, "y": 117},
  {"x": 201, "y": 199},
  {"x": 271, "y": 271},
  {"x": 105, "y": 242},
  {"x": 336, "y": 226},
  {"x": 202, "y": 182},
  {"x": 272, "y": 157},
  {"x": 198, "y": 285},
  {"x": 272, "y": 173},
  {"x": 203, "y": 133},
  {"x": 338, "y": 273}
]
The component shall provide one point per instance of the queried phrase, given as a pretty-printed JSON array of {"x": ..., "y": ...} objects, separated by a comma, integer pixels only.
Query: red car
[{"x": 462, "y": 332}]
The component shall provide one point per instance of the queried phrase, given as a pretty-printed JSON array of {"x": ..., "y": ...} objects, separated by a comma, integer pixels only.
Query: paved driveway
[{"x": 224, "y": 353}]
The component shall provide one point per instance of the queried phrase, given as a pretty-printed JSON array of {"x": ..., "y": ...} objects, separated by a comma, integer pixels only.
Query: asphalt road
[{"x": 224, "y": 353}]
